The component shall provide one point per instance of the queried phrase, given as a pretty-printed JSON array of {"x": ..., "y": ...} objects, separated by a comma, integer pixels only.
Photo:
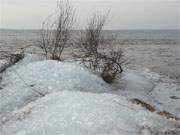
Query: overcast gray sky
[{"x": 125, "y": 14}]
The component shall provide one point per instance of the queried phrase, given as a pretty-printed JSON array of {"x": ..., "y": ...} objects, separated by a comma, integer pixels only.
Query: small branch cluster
[
  {"x": 11, "y": 59},
  {"x": 56, "y": 30},
  {"x": 109, "y": 65}
]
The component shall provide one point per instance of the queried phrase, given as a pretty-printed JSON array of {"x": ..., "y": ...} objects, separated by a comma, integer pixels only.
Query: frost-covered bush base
[{"x": 80, "y": 113}]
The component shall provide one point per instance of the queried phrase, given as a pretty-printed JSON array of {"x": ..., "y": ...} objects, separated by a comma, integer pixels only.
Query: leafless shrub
[
  {"x": 112, "y": 65},
  {"x": 108, "y": 63},
  {"x": 11, "y": 58},
  {"x": 14, "y": 58},
  {"x": 56, "y": 30}
]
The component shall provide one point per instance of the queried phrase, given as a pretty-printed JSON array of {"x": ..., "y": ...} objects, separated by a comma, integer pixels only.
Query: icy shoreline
[{"x": 45, "y": 83}]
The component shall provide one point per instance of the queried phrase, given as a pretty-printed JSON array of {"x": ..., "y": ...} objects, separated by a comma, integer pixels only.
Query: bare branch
[
  {"x": 56, "y": 30},
  {"x": 108, "y": 64}
]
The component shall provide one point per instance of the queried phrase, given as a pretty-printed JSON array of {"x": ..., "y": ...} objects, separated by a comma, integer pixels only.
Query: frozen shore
[{"x": 50, "y": 97}]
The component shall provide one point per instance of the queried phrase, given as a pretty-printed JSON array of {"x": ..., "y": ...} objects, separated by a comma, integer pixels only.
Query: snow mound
[
  {"x": 80, "y": 113},
  {"x": 50, "y": 75},
  {"x": 25, "y": 82}
]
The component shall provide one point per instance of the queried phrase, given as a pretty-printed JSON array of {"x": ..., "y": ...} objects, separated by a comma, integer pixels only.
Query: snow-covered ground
[
  {"x": 78, "y": 113},
  {"x": 45, "y": 97},
  {"x": 151, "y": 88},
  {"x": 32, "y": 78}
]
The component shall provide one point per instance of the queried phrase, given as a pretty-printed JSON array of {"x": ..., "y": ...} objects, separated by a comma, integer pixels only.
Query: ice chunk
[
  {"x": 80, "y": 113},
  {"x": 27, "y": 82}
]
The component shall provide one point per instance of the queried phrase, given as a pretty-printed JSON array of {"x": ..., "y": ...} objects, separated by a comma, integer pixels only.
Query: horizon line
[{"x": 26, "y": 29}]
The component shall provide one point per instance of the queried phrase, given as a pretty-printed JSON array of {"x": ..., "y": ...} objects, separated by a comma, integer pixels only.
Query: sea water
[{"x": 16, "y": 38}]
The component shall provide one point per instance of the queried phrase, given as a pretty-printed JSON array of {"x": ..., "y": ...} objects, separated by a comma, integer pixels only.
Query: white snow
[
  {"x": 24, "y": 82},
  {"x": 135, "y": 82},
  {"x": 45, "y": 97},
  {"x": 80, "y": 113},
  {"x": 163, "y": 95},
  {"x": 150, "y": 88}
]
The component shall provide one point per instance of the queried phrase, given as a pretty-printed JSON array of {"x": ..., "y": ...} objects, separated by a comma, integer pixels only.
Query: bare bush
[
  {"x": 112, "y": 65},
  {"x": 10, "y": 58},
  {"x": 94, "y": 56},
  {"x": 92, "y": 36},
  {"x": 56, "y": 30}
]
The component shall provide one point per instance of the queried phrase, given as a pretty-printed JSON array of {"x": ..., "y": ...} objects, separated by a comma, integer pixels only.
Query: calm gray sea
[{"x": 124, "y": 37}]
